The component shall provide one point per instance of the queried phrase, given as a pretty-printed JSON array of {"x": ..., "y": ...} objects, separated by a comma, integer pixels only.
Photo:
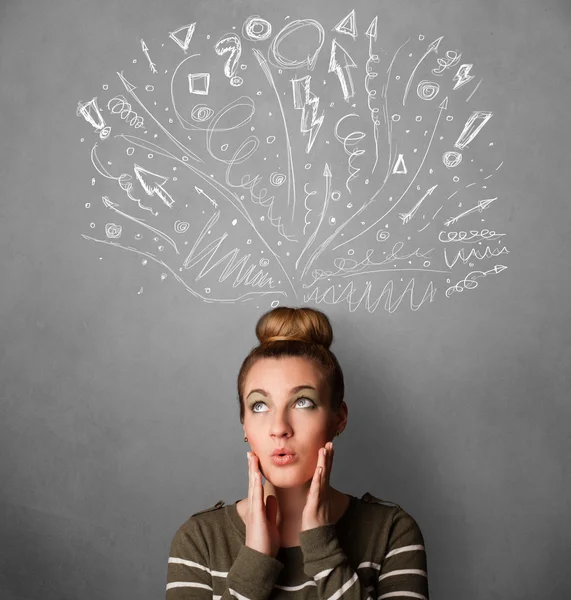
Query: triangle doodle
[
  {"x": 400, "y": 167},
  {"x": 188, "y": 33},
  {"x": 348, "y": 25}
]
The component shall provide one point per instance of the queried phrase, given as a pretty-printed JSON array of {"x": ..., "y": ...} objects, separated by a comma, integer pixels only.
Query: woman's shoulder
[{"x": 389, "y": 514}]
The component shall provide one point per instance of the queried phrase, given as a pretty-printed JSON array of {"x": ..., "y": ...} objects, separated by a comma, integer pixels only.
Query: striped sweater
[{"x": 374, "y": 551}]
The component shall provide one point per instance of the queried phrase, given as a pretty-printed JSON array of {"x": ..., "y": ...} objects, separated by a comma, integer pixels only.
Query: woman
[{"x": 295, "y": 536}]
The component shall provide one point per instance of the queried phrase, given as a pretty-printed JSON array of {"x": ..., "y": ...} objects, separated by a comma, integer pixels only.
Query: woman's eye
[{"x": 253, "y": 408}]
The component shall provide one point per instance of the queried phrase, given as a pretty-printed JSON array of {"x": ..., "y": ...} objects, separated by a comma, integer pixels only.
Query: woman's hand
[
  {"x": 317, "y": 511},
  {"x": 262, "y": 533}
]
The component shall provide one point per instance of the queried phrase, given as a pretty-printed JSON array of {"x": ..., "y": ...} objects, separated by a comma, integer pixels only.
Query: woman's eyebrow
[{"x": 292, "y": 391}]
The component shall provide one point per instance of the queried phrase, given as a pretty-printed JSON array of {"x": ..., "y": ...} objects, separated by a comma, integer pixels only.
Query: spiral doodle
[
  {"x": 427, "y": 90},
  {"x": 277, "y": 179},
  {"x": 113, "y": 231},
  {"x": 181, "y": 226},
  {"x": 383, "y": 236},
  {"x": 119, "y": 105}
]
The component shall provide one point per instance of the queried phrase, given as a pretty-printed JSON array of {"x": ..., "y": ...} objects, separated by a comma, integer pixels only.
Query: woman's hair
[{"x": 303, "y": 332}]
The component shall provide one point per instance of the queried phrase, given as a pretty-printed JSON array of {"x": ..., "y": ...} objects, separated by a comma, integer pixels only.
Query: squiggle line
[
  {"x": 469, "y": 282},
  {"x": 350, "y": 140},
  {"x": 474, "y": 254},
  {"x": 346, "y": 295},
  {"x": 370, "y": 74},
  {"x": 119, "y": 104},
  {"x": 307, "y": 196}
]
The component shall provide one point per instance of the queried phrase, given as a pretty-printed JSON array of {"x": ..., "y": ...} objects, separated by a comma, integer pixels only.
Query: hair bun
[{"x": 295, "y": 324}]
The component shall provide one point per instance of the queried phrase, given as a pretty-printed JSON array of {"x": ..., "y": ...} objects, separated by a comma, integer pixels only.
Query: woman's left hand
[{"x": 317, "y": 511}]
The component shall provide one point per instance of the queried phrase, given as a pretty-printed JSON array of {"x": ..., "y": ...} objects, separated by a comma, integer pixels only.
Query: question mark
[{"x": 230, "y": 43}]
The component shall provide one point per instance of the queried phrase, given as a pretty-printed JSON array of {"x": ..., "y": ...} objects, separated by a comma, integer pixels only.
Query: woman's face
[{"x": 287, "y": 405}]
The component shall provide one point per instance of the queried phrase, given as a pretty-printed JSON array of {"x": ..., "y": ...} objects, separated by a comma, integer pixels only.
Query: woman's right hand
[{"x": 262, "y": 533}]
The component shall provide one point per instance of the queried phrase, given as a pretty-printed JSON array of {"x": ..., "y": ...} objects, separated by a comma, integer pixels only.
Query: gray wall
[{"x": 118, "y": 410}]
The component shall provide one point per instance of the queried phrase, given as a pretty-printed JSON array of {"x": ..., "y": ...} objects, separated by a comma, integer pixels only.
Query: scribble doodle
[
  {"x": 113, "y": 230},
  {"x": 256, "y": 29},
  {"x": 210, "y": 184}
]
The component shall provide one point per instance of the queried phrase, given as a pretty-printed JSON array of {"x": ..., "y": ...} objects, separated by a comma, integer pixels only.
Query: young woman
[{"x": 295, "y": 536}]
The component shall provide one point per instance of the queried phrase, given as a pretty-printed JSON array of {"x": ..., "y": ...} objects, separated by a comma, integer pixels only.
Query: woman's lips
[{"x": 281, "y": 461}]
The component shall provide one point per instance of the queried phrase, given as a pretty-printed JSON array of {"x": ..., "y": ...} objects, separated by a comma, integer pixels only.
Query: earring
[
  {"x": 337, "y": 432},
  {"x": 245, "y": 438}
]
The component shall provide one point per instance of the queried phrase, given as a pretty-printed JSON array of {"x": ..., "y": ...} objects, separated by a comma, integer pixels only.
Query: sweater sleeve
[
  {"x": 403, "y": 570},
  {"x": 326, "y": 562},
  {"x": 193, "y": 575}
]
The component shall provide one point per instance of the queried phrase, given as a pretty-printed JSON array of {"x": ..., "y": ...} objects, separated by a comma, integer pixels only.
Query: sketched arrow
[
  {"x": 113, "y": 206},
  {"x": 371, "y": 32},
  {"x": 406, "y": 217},
  {"x": 201, "y": 191},
  {"x": 327, "y": 175},
  {"x": 146, "y": 53},
  {"x": 335, "y": 67},
  {"x": 482, "y": 205},
  {"x": 433, "y": 47},
  {"x": 156, "y": 188}
]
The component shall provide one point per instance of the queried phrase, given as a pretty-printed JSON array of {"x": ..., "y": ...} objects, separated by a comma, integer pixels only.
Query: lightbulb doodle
[{"x": 298, "y": 160}]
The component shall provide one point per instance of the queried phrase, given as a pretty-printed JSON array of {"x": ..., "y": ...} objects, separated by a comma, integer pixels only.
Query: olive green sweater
[{"x": 374, "y": 551}]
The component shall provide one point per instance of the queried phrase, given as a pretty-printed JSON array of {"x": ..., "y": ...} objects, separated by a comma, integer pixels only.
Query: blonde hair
[{"x": 303, "y": 332}]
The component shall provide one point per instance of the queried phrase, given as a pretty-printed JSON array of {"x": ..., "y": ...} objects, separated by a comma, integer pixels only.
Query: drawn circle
[
  {"x": 275, "y": 303},
  {"x": 421, "y": 37},
  {"x": 181, "y": 226},
  {"x": 113, "y": 231},
  {"x": 201, "y": 113},
  {"x": 451, "y": 159},
  {"x": 308, "y": 166},
  {"x": 351, "y": 252},
  {"x": 87, "y": 204},
  {"x": 456, "y": 179},
  {"x": 243, "y": 67},
  {"x": 185, "y": 158},
  {"x": 258, "y": 93},
  {"x": 104, "y": 133},
  {"x": 138, "y": 236},
  {"x": 277, "y": 179},
  {"x": 350, "y": 205},
  {"x": 224, "y": 147},
  {"x": 264, "y": 262},
  {"x": 418, "y": 118},
  {"x": 150, "y": 155},
  {"x": 382, "y": 235},
  {"x": 427, "y": 90},
  {"x": 426, "y": 263},
  {"x": 150, "y": 88},
  {"x": 105, "y": 86},
  {"x": 332, "y": 220},
  {"x": 256, "y": 29},
  {"x": 449, "y": 118},
  {"x": 395, "y": 117},
  {"x": 236, "y": 81},
  {"x": 335, "y": 195},
  {"x": 92, "y": 225},
  {"x": 397, "y": 77},
  {"x": 130, "y": 151},
  {"x": 271, "y": 139},
  {"x": 161, "y": 248}
]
